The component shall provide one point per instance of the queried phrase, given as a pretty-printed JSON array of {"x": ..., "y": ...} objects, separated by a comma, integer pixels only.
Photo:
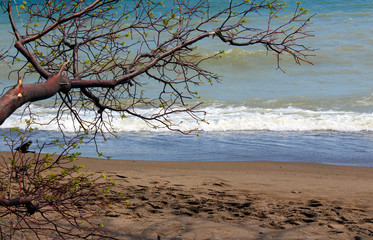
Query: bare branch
[{"x": 116, "y": 49}]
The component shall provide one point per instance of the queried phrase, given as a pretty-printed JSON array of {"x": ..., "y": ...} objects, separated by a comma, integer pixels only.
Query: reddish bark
[{"x": 21, "y": 94}]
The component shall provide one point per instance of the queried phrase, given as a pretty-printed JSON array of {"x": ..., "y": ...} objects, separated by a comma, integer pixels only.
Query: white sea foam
[
  {"x": 223, "y": 118},
  {"x": 287, "y": 119}
]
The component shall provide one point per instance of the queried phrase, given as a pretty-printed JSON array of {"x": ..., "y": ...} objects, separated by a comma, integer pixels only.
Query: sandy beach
[
  {"x": 238, "y": 200},
  {"x": 235, "y": 200}
]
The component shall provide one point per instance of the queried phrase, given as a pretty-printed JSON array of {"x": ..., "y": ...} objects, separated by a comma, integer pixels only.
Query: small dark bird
[
  {"x": 31, "y": 208},
  {"x": 24, "y": 147}
]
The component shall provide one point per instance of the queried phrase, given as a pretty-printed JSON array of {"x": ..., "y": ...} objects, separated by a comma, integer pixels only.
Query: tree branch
[
  {"x": 21, "y": 94},
  {"x": 126, "y": 78}
]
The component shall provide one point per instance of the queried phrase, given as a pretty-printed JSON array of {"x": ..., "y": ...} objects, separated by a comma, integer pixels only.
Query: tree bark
[
  {"x": 21, "y": 94},
  {"x": 30, "y": 205},
  {"x": 15, "y": 201}
]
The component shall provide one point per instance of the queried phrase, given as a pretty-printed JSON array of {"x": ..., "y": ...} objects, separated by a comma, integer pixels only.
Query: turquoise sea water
[{"x": 313, "y": 113}]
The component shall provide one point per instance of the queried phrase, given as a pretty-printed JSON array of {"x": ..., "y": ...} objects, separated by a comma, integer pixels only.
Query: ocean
[{"x": 310, "y": 113}]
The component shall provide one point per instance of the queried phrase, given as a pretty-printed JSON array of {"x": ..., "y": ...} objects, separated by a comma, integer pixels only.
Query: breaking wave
[{"x": 222, "y": 118}]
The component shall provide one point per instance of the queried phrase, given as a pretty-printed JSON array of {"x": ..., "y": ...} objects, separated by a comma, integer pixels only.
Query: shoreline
[{"x": 237, "y": 200}]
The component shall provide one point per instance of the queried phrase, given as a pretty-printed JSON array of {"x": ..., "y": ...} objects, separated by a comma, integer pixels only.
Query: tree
[
  {"x": 100, "y": 56},
  {"x": 48, "y": 196}
]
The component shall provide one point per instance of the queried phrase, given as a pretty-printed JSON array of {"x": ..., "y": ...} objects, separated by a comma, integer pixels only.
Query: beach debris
[
  {"x": 121, "y": 176},
  {"x": 314, "y": 203}
]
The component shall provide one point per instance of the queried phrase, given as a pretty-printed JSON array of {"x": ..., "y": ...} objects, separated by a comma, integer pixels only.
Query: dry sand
[{"x": 238, "y": 200}]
